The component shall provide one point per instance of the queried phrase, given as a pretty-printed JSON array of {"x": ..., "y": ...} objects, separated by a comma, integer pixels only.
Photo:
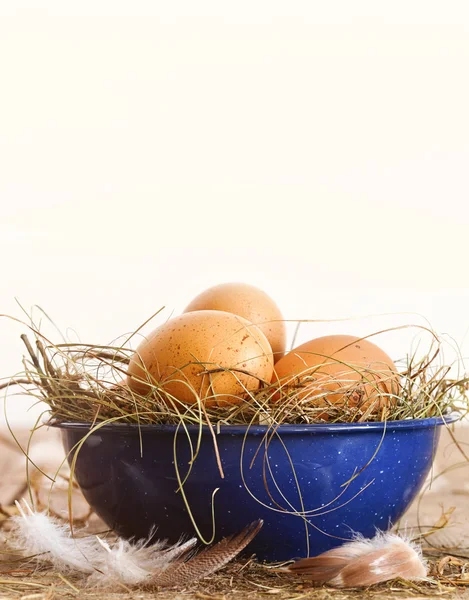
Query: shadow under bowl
[{"x": 313, "y": 485}]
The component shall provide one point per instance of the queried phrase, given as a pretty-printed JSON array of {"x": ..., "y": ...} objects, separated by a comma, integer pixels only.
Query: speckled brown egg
[
  {"x": 251, "y": 303},
  {"x": 339, "y": 370},
  {"x": 179, "y": 352}
]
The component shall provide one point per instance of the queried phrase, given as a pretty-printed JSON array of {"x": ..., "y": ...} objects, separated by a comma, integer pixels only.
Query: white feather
[
  {"x": 42, "y": 536},
  {"x": 135, "y": 563},
  {"x": 119, "y": 564},
  {"x": 120, "y": 561}
]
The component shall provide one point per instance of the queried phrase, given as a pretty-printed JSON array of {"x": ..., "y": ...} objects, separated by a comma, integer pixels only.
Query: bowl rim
[{"x": 262, "y": 429}]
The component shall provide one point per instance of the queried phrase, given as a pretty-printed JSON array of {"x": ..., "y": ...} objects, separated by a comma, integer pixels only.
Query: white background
[{"x": 319, "y": 150}]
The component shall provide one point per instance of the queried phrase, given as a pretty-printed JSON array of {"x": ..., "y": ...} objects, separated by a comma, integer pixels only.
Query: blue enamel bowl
[{"x": 313, "y": 485}]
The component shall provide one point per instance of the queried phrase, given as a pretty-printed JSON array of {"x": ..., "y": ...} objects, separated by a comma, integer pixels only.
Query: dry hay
[
  {"x": 84, "y": 382},
  {"x": 242, "y": 578}
]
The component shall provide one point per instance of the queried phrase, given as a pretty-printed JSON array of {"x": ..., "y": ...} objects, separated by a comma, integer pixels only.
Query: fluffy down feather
[
  {"x": 45, "y": 538},
  {"x": 131, "y": 563},
  {"x": 135, "y": 563},
  {"x": 364, "y": 562}
]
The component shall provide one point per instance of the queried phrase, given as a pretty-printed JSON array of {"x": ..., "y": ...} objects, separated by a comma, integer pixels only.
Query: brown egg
[
  {"x": 354, "y": 368},
  {"x": 251, "y": 303},
  {"x": 178, "y": 351}
]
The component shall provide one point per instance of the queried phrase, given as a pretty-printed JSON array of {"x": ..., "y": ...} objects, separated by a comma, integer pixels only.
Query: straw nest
[{"x": 86, "y": 383}]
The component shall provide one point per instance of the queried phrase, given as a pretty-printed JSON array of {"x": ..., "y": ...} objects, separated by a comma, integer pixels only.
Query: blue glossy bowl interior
[{"x": 313, "y": 485}]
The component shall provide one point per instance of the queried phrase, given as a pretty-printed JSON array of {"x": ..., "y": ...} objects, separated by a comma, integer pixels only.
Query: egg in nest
[
  {"x": 249, "y": 302},
  {"x": 340, "y": 370},
  {"x": 178, "y": 354}
]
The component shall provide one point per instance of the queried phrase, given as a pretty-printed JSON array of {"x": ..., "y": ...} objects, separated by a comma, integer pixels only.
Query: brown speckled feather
[{"x": 207, "y": 561}]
